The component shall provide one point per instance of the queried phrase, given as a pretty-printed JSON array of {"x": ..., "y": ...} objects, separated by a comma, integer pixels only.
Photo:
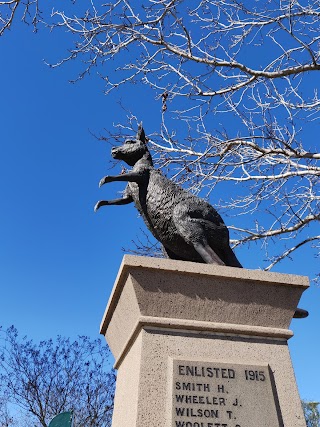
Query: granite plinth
[{"x": 178, "y": 329}]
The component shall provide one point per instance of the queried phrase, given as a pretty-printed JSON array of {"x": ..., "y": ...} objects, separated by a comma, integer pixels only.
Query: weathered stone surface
[
  {"x": 211, "y": 393},
  {"x": 163, "y": 311}
]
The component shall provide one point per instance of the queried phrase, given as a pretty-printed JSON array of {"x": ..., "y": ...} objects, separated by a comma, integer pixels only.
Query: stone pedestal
[{"x": 200, "y": 345}]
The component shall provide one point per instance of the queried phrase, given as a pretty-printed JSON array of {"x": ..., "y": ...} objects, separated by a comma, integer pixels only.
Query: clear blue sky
[{"x": 58, "y": 259}]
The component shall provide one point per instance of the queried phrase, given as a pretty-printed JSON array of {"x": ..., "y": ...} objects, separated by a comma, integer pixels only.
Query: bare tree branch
[
  {"x": 25, "y": 10},
  {"x": 48, "y": 378},
  {"x": 238, "y": 84}
]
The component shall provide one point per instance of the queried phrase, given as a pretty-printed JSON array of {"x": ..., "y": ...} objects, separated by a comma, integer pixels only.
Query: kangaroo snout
[{"x": 115, "y": 151}]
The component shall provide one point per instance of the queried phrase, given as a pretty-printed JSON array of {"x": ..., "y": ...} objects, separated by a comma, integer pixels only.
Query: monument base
[{"x": 200, "y": 345}]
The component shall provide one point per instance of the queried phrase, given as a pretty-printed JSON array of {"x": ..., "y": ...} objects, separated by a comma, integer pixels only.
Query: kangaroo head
[{"x": 133, "y": 149}]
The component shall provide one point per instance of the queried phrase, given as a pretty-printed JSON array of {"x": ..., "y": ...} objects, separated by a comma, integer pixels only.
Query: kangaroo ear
[{"x": 141, "y": 136}]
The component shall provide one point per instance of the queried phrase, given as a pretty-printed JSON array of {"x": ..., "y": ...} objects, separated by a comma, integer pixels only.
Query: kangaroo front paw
[
  {"x": 98, "y": 205},
  {"x": 104, "y": 180}
]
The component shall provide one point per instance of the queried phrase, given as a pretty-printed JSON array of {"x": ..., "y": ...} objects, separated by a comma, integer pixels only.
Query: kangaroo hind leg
[
  {"x": 193, "y": 233},
  {"x": 169, "y": 254}
]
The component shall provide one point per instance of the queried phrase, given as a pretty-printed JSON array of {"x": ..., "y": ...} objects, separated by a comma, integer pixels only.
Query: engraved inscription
[{"x": 222, "y": 395}]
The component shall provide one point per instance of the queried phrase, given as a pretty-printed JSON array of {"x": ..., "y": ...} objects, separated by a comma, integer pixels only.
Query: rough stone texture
[
  {"x": 127, "y": 387},
  {"x": 224, "y": 393},
  {"x": 163, "y": 310}
]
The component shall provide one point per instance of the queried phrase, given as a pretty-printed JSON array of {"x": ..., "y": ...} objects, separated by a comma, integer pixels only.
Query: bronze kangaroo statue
[{"x": 188, "y": 227}]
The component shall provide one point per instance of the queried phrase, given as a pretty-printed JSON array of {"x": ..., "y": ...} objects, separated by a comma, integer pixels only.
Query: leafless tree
[
  {"x": 48, "y": 378},
  {"x": 25, "y": 10},
  {"x": 241, "y": 78},
  {"x": 5, "y": 419}
]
